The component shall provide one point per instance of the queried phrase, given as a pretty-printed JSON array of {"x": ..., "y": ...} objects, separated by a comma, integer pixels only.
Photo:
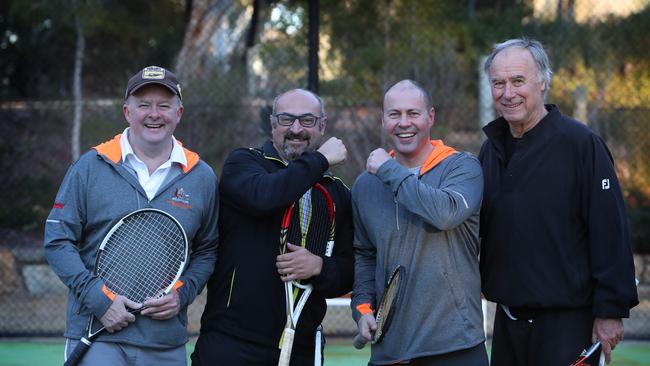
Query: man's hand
[
  {"x": 334, "y": 151},
  {"x": 367, "y": 326},
  {"x": 376, "y": 159},
  {"x": 164, "y": 307},
  {"x": 609, "y": 332},
  {"x": 117, "y": 316},
  {"x": 298, "y": 264}
]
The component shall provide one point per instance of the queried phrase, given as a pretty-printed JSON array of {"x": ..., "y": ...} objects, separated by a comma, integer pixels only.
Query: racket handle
[
  {"x": 78, "y": 352},
  {"x": 359, "y": 342},
  {"x": 287, "y": 345}
]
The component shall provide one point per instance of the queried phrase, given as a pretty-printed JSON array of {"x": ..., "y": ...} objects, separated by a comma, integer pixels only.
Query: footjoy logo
[{"x": 605, "y": 184}]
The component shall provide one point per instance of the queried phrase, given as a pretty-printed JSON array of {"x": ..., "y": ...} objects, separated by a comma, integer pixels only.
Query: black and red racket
[
  {"x": 585, "y": 354},
  {"x": 309, "y": 222}
]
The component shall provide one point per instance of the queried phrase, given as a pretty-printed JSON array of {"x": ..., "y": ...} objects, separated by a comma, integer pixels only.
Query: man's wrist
[{"x": 319, "y": 265}]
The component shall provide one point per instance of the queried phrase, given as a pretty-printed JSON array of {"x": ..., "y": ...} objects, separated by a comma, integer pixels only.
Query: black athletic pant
[
  {"x": 219, "y": 349},
  {"x": 541, "y": 338}
]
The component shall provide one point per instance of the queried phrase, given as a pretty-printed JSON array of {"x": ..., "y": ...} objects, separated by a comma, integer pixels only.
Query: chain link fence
[{"x": 601, "y": 77}]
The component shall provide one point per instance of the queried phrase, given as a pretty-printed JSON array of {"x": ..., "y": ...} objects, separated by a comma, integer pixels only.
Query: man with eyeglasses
[{"x": 245, "y": 312}]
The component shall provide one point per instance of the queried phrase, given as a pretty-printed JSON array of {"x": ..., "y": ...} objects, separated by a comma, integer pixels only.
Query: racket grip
[
  {"x": 359, "y": 342},
  {"x": 287, "y": 345},
  {"x": 78, "y": 352}
]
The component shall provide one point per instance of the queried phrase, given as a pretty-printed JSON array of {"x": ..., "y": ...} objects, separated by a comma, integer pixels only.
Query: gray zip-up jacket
[
  {"x": 96, "y": 192},
  {"x": 429, "y": 225}
]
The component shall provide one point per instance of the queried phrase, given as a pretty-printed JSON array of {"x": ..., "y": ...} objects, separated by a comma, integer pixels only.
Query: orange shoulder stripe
[
  {"x": 191, "y": 157},
  {"x": 440, "y": 152},
  {"x": 112, "y": 150}
]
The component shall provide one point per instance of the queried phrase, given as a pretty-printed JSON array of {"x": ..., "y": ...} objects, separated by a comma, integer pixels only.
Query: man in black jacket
[
  {"x": 555, "y": 250},
  {"x": 245, "y": 315}
]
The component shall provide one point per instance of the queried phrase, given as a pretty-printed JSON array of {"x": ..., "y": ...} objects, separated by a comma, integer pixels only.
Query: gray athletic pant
[{"x": 118, "y": 354}]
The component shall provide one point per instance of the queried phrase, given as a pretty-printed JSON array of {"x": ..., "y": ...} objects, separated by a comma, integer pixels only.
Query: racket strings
[
  {"x": 310, "y": 225},
  {"x": 140, "y": 255},
  {"x": 304, "y": 210}
]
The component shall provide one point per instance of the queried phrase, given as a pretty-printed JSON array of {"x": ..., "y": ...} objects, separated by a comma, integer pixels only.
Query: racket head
[
  {"x": 284, "y": 227},
  {"x": 586, "y": 353},
  {"x": 326, "y": 216},
  {"x": 310, "y": 222},
  {"x": 386, "y": 308},
  {"x": 143, "y": 255}
]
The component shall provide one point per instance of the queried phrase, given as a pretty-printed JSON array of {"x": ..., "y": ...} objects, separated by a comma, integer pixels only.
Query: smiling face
[
  {"x": 153, "y": 112},
  {"x": 517, "y": 88},
  {"x": 407, "y": 119},
  {"x": 292, "y": 140}
]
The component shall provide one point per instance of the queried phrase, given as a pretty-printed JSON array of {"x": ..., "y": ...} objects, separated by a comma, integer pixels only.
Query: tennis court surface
[{"x": 338, "y": 352}]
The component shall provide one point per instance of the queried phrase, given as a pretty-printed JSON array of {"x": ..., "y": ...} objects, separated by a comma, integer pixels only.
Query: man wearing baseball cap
[
  {"x": 153, "y": 75},
  {"x": 143, "y": 167}
]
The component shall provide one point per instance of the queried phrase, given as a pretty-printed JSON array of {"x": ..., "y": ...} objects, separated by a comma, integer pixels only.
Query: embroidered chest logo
[
  {"x": 604, "y": 184},
  {"x": 180, "y": 199}
]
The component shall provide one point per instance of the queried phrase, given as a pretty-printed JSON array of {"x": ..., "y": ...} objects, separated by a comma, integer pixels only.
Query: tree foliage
[
  {"x": 231, "y": 67},
  {"x": 38, "y": 43}
]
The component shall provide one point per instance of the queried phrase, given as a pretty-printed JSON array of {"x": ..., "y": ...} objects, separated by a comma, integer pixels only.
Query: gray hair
[
  {"x": 536, "y": 50},
  {"x": 320, "y": 101}
]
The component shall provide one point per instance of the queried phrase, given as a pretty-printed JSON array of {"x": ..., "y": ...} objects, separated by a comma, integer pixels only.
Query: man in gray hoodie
[
  {"x": 144, "y": 167},
  {"x": 417, "y": 207}
]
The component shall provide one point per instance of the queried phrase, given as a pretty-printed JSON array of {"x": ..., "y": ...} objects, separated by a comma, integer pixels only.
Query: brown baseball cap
[{"x": 153, "y": 75}]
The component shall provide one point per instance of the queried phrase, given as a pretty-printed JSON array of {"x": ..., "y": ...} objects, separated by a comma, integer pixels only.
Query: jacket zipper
[
  {"x": 232, "y": 284},
  {"x": 396, "y": 212}
]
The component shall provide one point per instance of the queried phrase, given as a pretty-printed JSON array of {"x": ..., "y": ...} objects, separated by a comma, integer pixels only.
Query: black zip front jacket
[
  {"x": 553, "y": 228},
  {"x": 245, "y": 294}
]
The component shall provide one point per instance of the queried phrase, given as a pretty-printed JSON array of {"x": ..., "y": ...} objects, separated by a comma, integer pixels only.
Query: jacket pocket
[{"x": 458, "y": 298}]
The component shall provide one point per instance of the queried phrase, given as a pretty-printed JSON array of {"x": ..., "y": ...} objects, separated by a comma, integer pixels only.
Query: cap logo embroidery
[{"x": 156, "y": 73}]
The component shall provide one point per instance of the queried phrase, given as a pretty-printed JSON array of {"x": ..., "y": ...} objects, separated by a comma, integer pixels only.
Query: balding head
[
  {"x": 406, "y": 84},
  {"x": 301, "y": 94},
  {"x": 407, "y": 118}
]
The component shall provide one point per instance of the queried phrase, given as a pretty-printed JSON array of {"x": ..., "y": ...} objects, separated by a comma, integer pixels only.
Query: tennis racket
[
  {"x": 141, "y": 257},
  {"x": 385, "y": 310},
  {"x": 310, "y": 222},
  {"x": 585, "y": 354}
]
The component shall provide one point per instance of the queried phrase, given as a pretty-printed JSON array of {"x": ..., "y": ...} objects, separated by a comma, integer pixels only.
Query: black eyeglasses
[{"x": 305, "y": 120}]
